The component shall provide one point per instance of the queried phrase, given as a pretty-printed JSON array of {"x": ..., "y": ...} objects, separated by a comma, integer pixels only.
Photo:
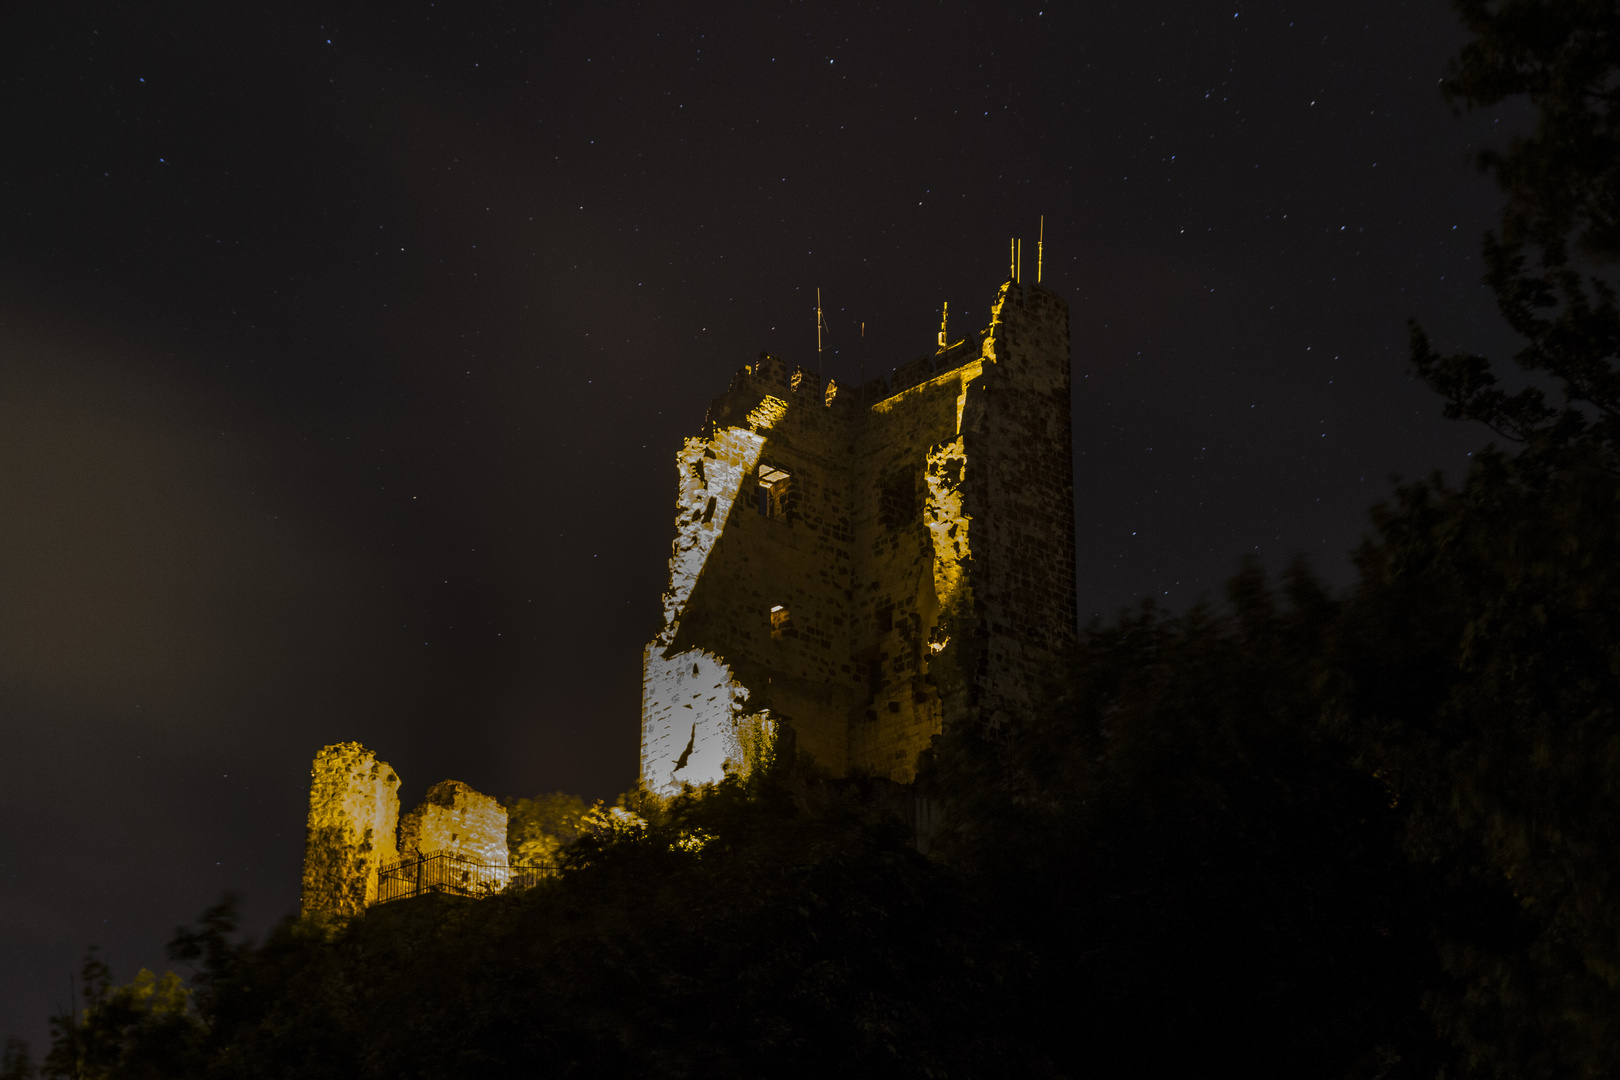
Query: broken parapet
[
  {"x": 456, "y": 820},
  {"x": 353, "y": 809}
]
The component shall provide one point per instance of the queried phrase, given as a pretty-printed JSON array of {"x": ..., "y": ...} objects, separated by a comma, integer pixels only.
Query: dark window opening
[
  {"x": 869, "y": 670},
  {"x": 782, "y": 623},
  {"x": 775, "y": 492}
]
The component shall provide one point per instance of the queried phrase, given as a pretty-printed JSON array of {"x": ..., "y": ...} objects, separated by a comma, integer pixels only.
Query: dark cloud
[{"x": 153, "y": 557}]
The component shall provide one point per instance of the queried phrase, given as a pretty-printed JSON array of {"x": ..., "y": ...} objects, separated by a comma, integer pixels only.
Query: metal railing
[{"x": 448, "y": 872}]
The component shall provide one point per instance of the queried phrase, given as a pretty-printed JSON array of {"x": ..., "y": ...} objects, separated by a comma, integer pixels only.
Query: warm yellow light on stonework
[
  {"x": 353, "y": 810},
  {"x": 351, "y": 842},
  {"x": 865, "y": 503}
]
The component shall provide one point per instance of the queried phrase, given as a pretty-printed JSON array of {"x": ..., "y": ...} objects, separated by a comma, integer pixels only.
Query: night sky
[{"x": 344, "y": 357}]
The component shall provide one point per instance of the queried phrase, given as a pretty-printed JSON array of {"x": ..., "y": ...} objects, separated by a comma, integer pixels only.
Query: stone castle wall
[
  {"x": 455, "y": 818},
  {"x": 355, "y": 830},
  {"x": 914, "y": 566},
  {"x": 353, "y": 809}
]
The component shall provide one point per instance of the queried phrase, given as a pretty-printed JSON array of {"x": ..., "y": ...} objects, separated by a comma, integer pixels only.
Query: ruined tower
[
  {"x": 868, "y": 565},
  {"x": 353, "y": 812},
  {"x": 358, "y": 851}
]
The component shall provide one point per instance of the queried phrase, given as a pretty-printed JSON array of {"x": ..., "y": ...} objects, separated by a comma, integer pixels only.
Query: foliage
[
  {"x": 538, "y": 829},
  {"x": 15, "y": 1061},
  {"x": 1563, "y": 212},
  {"x": 138, "y": 1030},
  {"x": 1369, "y": 835},
  {"x": 800, "y": 937},
  {"x": 1480, "y": 652},
  {"x": 1563, "y": 181},
  {"x": 1188, "y": 852},
  {"x": 1480, "y": 659}
]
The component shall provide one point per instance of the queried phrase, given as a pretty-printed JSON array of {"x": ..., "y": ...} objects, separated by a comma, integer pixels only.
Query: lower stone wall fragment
[{"x": 456, "y": 820}]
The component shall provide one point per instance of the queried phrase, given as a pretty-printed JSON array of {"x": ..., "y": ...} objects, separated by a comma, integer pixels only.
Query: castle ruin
[
  {"x": 455, "y": 841},
  {"x": 859, "y": 566},
  {"x": 868, "y": 565}
]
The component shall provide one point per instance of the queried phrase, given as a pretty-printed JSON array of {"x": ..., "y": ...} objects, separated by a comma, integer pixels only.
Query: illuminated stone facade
[
  {"x": 355, "y": 830},
  {"x": 455, "y": 818},
  {"x": 868, "y": 565},
  {"x": 353, "y": 809}
]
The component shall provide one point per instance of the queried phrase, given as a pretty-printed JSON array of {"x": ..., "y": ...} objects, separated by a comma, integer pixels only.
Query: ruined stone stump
[{"x": 353, "y": 811}]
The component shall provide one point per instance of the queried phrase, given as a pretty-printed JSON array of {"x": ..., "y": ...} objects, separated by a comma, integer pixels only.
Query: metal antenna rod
[
  {"x": 1012, "y": 259},
  {"x": 1039, "y": 244},
  {"x": 863, "y": 354},
  {"x": 818, "y": 330}
]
